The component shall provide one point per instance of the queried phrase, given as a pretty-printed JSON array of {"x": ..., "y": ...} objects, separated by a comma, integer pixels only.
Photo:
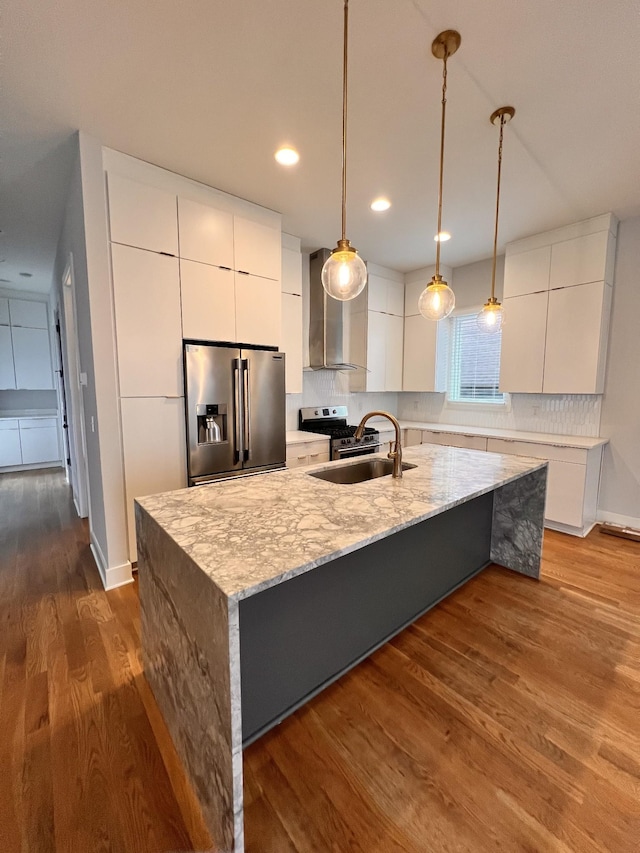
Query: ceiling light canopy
[
  {"x": 344, "y": 274},
  {"x": 437, "y": 300},
  {"x": 491, "y": 317},
  {"x": 287, "y": 156},
  {"x": 380, "y": 204}
]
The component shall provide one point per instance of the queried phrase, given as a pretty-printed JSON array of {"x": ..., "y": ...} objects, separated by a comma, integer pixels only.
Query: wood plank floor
[{"x": 506, "y": 719}]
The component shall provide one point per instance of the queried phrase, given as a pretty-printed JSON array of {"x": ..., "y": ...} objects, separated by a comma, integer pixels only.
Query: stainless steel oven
[{"x": 332, "y": 421}]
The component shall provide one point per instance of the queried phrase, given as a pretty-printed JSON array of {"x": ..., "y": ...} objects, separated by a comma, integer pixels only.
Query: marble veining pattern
[
  {"x": 517, "y": 525},
  {"x": 251, "y": 533}
]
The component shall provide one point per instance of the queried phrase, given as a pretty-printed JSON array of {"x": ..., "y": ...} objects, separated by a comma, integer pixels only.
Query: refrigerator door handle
[
  {"x": 238, "y": 411},
  {"x": 247, "y": 409}
]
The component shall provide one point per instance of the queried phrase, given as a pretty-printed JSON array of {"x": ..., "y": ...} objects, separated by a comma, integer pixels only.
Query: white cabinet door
[
  {"x": 206, "y": 234},
  {"x": 527, "y": 272},
  {"x": 565, "y": 493},
  {"x": 394, "y": 352},
  {"x": 258, "y": 310},
  {"x": 32, "y": 358},
  {"x": 7, "y": 371},
  {"x": 420, "y": 354},
  {"x": 376, "y": 293},
  {"x": 411, "y": 437},
  {"x": 4, "y": 311},
  {"x": 142, "y": 216},
  {"x": 523, "y": 343},
  {"x": 208, "y": 302},
  {"x": 291, "y": 272},
  {"x": 257, "y": 248},
  {"x": 573, "y": 346},
  {"x": 148, "y": 326},
  {"x": 579, "y": 261},
  {"x": 395, "y": 298},
  {"x": 27, "y": 313},
  {"x": 376, "y": 351},
  {"x": 10, "y": 453},
  {"x": 154, "y": 446},
  {"x": 39, "y": 444},
  {"x": 454, "y": 439},
  {"x": 292, "y": 341}
]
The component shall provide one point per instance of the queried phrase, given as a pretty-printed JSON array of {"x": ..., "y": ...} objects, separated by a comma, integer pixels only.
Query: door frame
[{"x": 73, "y": 392}]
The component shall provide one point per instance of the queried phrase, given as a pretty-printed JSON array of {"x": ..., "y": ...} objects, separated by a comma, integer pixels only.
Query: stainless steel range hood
[{"x": 328, "y": 322}]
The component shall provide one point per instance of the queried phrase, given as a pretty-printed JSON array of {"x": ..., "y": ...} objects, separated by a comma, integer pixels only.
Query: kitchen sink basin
[{"x": 359, "y": 472}]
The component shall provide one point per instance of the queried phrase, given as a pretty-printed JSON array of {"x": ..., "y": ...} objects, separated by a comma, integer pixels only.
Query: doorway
[{"x": 73, "y": 394}]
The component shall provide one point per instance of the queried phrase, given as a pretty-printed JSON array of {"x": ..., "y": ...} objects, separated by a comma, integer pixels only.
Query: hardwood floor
[{"x": 506, "y": 719}]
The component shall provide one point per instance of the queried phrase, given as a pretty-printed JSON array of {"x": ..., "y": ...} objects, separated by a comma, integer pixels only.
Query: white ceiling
[{"x": 210, "y": 88}]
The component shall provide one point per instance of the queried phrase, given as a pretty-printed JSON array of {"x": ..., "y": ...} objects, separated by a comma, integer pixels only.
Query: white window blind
[{"x": 474, "y": 363}]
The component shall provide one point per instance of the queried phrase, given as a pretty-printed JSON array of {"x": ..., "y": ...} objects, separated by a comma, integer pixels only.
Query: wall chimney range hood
[{"x": 327, "y": 326}]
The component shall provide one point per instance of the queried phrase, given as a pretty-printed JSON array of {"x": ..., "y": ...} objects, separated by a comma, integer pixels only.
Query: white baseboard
[
  {"x": 623, "y": 520},
  {"x": 571, "y": 531},
  {"x": 111, "y": 576},
  {"x": 32, "y": 466}
]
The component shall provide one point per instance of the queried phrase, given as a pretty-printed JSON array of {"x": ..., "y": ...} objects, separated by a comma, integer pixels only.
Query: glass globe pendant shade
[
  {"x": 491, "y": 318},
  {"x": 437, "y": 300},
  {"x": 344, "y": 274}
]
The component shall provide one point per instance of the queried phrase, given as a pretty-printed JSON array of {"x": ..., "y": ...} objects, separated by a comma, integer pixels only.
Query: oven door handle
[{"x": 354, "y": 448}]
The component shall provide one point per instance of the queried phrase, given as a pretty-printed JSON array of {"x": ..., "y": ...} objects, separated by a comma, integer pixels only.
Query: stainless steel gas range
[{"x": 332, "y": 421}]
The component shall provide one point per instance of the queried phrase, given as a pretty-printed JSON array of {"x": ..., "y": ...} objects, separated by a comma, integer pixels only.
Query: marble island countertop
[{"x": 250, "y": 533}]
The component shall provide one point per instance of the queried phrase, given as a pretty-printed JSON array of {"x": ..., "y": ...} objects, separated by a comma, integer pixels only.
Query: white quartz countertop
[
  {"x": 251, "y": 533},
  {"x": 297, "y": 436},
  {"x": 585, "y": 442}
]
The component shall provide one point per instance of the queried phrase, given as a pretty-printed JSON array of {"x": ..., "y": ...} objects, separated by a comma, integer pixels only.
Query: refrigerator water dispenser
[{"x": 212, "y": 423}]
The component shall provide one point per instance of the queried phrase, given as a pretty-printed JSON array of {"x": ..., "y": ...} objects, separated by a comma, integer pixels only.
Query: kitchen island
[{"x": 258, "y": 592}]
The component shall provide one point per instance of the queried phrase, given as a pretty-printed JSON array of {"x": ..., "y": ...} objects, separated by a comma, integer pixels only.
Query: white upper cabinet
[
  {"x": 523, "y": 343},
  {"x": 395, "y": 352},
  {"x": 291, "y": 343},
  {"x": 32, "y": 358},
  {"x": 575, "y": 354},
  {"x": 257, "y": 248},
  {"x": 556, "y": 343},
  {"x": 33, "y": 315},
  {"x": 208, "y": 302},
  {"x": 148, "y": 328},
  {"x": 385, "y": 296},
  {"x": 7, "y": 371},
  {"x": 258, "y": 310},
  {"x": 206, "y": 233},
  {"x": 580, "y": 260},
  {"x": 527, "y": 272},
  {"x": 420, "y": 370},
  {"x": 142, "y": 216},
  {"x": 4, "y": 311},
  {"x": 291, "y": 269}
]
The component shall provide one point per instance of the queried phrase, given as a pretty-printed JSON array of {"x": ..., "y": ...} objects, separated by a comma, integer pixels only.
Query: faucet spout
[{"x": 396, "y": 453}]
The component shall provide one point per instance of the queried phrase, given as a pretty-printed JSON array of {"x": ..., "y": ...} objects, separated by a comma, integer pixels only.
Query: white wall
[
  {"x": 84, "y": 236},
  {"x": 620, "y": 485}
]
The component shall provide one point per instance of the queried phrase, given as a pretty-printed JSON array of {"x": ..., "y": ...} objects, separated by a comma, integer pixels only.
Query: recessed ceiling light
[
  {"x": 287, "y": 156},
  {"x": 442, "y": 237},
  {"x": 380, "y": 204},
  {"x": 26, "y": 274}
]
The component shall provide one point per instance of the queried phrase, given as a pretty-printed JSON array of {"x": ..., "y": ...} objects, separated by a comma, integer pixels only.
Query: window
[{"x": 474, "y": 363}]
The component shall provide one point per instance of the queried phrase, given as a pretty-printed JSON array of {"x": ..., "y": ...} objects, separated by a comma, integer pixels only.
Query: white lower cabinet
[
  {"x": 310, "y": 452},
  {"x": 454, "y": 439},
  {"x": 258, "y": 308},
  {"x": 39, "y": 440},
  {"x": 29, "y": 441},
  {"x": 572, "y": 481},
  {"x": 154, "y": 444},
  {"x": 10, "y": 452}
]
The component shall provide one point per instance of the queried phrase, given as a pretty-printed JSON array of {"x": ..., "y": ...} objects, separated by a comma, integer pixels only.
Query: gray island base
[{"x": 257, "y": 593}]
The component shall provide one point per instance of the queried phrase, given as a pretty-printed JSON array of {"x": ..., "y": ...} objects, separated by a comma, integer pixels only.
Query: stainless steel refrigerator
[{"x": 235, "y": 408}]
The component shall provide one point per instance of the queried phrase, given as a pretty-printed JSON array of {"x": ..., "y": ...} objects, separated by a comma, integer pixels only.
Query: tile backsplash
[
  {"x": 561, "y": 414},
  {"x": 567, "y": 414}
]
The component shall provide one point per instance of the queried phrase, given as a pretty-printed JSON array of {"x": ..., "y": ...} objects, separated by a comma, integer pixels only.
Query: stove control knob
[
  {"x": 334, "y": 412},
  {"x": 316, "y": 412},
  {"x": 343, "y": 441}
]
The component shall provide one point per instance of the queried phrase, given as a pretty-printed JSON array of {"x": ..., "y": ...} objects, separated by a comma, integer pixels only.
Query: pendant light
[
  {"x": 344, "y": 274},
  {"x": 491, "y": 317},
  {"x": 437, "y": 300}
]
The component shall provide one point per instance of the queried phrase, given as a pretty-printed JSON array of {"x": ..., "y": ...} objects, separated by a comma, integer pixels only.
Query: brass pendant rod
[
  {"x": 495, "y": 233},
  {"x": 444, "y": 109},
  {"x": 344, "y": 119}
]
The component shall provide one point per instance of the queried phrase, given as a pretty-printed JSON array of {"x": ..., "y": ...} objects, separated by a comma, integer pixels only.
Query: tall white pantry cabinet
[{"x": 181, "y": 268}]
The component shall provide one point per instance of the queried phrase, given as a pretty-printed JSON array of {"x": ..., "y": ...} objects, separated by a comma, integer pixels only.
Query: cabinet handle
[
  {"x": 243, "y": 272},
  {"x": 302, "y": 457},
  {"x": 312, "y": 455},
  {"x": 167, "y": 254},
  {"x": 220, "y": 267}
]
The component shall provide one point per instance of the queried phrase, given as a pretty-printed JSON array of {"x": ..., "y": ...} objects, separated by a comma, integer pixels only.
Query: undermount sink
[{"x": 358, "y": 472}]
